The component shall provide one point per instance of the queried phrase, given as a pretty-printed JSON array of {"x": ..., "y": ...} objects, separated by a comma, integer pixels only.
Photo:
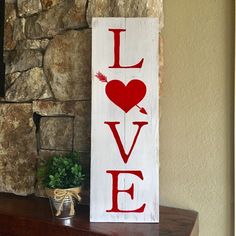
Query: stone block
[
  {"x": 67, "y": 65},
  {"x": 75, "y": 17},
  {"x": 10, "y": 17},
  {"x": 125, "y": 8},
  {"x": 80, "y": 110},
  {"x": 27, "y": 86},
  {"x": 56, "y": 133},
  {"x": 64, "y": 15},
  {"x": 22, "y": 60},
  {"x": 17, "y": 149},
  {"x": 28, "y": 7},
  {"x": 37, "y": 44},
  {"x": 47, "y": 4},
  {"x": 19, "y": 29},
  {"x": 10, "y": 79}
]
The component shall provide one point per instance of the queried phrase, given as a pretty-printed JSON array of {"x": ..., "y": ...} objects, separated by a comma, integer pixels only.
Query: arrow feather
[{"x": 101, "y": 77}]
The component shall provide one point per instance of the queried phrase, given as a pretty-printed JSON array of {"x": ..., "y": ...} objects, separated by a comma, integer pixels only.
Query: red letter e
[{"x": 130, "y": 191}]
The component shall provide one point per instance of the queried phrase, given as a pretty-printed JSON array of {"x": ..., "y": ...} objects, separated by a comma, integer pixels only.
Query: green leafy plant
[{"x": 61, "y": 171}]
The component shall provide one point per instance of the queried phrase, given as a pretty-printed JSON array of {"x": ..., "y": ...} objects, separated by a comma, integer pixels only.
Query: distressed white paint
[{"x": 139, "y": 41}]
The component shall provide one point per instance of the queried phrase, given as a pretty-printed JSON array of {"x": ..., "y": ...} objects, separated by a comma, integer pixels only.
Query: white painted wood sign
[{"x": 125, "y": 125}]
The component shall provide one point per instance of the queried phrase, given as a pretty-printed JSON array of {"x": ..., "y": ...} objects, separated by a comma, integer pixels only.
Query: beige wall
[{"x": 196, "y": 131}]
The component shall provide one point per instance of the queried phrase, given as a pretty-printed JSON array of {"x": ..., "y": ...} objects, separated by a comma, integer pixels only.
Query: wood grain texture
[
  {"x": 27, "y": 216},
  {"x": 140, "y": 40}
]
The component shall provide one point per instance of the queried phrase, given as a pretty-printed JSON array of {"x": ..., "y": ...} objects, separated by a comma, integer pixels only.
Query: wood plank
[{"x": 139, "y": 40}]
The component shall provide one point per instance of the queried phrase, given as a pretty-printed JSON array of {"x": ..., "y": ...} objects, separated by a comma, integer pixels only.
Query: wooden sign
[{"x": 124, "y": 151}]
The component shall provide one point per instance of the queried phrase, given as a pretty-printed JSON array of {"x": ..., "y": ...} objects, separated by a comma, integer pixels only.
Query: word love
[
  {"x": 124, "y": 121},
  {"x": 125, "y": 97}
]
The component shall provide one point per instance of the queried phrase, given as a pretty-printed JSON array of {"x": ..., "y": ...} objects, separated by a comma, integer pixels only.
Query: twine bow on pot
[{"x": 61, "y": 195}]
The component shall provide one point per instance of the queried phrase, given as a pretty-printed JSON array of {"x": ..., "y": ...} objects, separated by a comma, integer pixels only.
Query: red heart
[{"x": 126, "y": 97}]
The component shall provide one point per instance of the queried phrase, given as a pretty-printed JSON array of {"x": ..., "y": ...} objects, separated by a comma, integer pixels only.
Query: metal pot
[
  {"x": 63, "y": 202},
  {"x": 65, "y": 210}
]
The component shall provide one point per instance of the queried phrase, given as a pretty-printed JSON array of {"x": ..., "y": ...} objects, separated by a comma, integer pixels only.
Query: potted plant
[{"x": 62, "y": 177}]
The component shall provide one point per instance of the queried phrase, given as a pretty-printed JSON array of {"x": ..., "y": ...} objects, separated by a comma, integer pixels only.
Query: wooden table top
[{"x": 31, "y": 216}]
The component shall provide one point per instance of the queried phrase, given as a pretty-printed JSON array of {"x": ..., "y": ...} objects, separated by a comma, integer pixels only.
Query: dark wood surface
[{"x": 31, "y": 216}]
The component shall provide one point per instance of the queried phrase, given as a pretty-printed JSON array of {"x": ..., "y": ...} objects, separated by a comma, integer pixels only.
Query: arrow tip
[{"x": 142, "y": 110}]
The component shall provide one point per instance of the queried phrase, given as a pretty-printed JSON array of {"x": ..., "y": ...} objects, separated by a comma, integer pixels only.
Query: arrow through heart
[{"x": 125, "y": 97}]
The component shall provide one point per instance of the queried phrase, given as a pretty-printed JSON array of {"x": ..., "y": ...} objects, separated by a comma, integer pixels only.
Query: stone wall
[{"x": 46, "y": 108}]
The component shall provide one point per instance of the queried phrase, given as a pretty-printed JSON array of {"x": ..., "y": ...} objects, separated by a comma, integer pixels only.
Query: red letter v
[{"x": 112, "y": 126}]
